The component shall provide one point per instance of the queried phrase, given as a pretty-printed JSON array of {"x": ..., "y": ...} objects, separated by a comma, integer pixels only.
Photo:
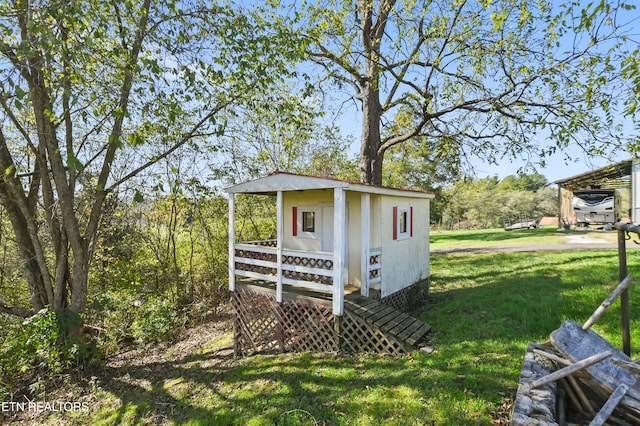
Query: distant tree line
[{"x": 489, "y": 202}]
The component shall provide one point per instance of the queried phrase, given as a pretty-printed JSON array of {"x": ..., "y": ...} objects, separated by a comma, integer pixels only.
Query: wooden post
[
  {"x": 339, "y": 235},
  {"x": 279, "y": 238},
  {"x": 337, "y": 329},
  {"x": 624, "y": 297},
  {"x": 560, "y": 207},
  {"x": 232, "y": 238},
  {"x": 621, "y": 288},
  {"x": 365, "y": 241}
]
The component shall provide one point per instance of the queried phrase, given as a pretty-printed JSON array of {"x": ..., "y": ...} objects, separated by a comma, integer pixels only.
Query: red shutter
[
  {"x": 411, "y": 221},
  {"x": 395, "y": 222},
  {"x": 294, "y": 221}
]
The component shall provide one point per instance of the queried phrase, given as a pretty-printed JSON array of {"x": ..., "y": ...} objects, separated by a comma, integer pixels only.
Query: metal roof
[{"x": 612, "y": 176}]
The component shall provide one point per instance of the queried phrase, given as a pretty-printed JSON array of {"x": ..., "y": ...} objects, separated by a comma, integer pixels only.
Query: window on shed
[
  {"x": 308, "y": 221},
  {"x": 402, "y": 222}
]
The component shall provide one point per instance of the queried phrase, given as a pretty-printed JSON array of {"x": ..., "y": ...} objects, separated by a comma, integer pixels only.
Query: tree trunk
[
  {"x": 370, "y": 158},
  {"x": 371, "y": 155}
]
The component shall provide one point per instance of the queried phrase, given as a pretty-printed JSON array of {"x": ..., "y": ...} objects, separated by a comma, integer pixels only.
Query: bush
[
  {"x": 124, "y": 318},
  {"x": 39, "y": 349},
  {"x": 156, "y": 321}
]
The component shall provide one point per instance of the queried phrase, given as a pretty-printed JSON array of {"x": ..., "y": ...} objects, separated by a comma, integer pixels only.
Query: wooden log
[
  {"x": 586, "y": 404},
  {"x": 610, "y": 405},
  {"x": 560, "y": 412},
  {"x": 575, "y": 344},
  {"x": 552, "y": 357},
  {"x": 564, "y": 372},
  {"x": 607, "y": 302},
  {"x": 571, "y": 393}
]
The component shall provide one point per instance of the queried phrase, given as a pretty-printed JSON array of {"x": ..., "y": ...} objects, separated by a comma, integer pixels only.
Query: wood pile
[{"x": 594, "y": 383}]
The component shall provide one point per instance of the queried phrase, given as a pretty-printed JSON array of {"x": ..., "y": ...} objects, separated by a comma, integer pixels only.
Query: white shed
[{"x": 334, "y": 234}]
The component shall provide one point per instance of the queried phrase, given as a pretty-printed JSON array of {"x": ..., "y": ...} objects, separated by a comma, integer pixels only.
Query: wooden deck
[
  {"x": 399, "y": 327},
  {"x": 389, "y": 320}
]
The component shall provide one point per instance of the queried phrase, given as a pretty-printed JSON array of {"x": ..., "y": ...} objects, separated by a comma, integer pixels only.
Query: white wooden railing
[
  {"x": 311, "y": 270},
  {"x": 374, "y": 267}
]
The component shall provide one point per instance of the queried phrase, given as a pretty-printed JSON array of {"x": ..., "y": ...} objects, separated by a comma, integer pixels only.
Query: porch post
[
  {"x": 365, "y": 239},
  {"x": 232, "y": 238},
  {"x": 279, "y": 237},
  {"x": 339, "y": 231}
]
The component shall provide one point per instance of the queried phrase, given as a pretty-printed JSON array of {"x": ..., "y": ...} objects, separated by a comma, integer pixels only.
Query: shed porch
[{"x": 303, "y": 322}]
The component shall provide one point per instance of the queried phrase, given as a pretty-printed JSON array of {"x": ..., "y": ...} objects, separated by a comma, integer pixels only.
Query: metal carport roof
[{"x": 611, "y": 176}]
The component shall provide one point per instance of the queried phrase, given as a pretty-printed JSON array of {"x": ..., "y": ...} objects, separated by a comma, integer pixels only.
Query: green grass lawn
[{"x": 484, "y": 309}]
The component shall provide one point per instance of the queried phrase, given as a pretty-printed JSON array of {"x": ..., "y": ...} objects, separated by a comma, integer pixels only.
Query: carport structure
[{"x": 622, "y": 177}]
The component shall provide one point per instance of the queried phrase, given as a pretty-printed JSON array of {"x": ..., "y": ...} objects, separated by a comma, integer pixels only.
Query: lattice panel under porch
[
  {"x": 255, "y": 325},
  {"x": 360, "y": 336},
  {"x": 262, "y": 325},
  {"x": 307, "y": 327},
  {"x": 398, "y": 300}
]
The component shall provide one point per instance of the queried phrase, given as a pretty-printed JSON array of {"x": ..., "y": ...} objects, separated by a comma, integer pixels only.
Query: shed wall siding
[
  {"x": 404, "y": 261},
  {"x": 298, "y": 199}
]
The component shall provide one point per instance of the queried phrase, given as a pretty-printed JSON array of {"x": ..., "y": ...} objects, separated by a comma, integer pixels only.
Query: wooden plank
[
  {"x": 607, "y": 302},
  {"x": 610, "y": 405},
  {"x": 631, "y": 366},
  {"x": 387, "y": 318},
  {"x": 394, "y": 322},
  {"x": 407, "y": 322},
  {"x": 381, "y": 314},
  {"x": 367, "y": 311},
  {"x": 419, "y": 334},
  {"x": 570, "y": 369},
  {"x": 411, "y": 329},
  {"x": 364, "y": 310},
  {"x": 358, "y": 300}
]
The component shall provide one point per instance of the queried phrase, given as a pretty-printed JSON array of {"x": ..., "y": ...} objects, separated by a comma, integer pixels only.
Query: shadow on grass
[{"x": 301, "y": 389}]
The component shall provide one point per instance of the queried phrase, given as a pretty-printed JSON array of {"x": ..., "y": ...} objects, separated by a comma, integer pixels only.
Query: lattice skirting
[
  {"x": 261, "y": 325},
  {"x": 360, "y": 336},
  {"x": 407, "y": 298}
]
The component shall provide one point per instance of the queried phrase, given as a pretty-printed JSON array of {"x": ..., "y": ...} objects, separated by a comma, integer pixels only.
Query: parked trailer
[
  {"x": 523, "y": 223},
  {"x": 594, "y": 206}
]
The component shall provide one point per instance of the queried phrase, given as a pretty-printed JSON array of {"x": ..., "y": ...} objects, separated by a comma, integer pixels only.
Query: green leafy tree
[
  {"x": 94, "y": 93},
  {"x": 495, "y": 77}
]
